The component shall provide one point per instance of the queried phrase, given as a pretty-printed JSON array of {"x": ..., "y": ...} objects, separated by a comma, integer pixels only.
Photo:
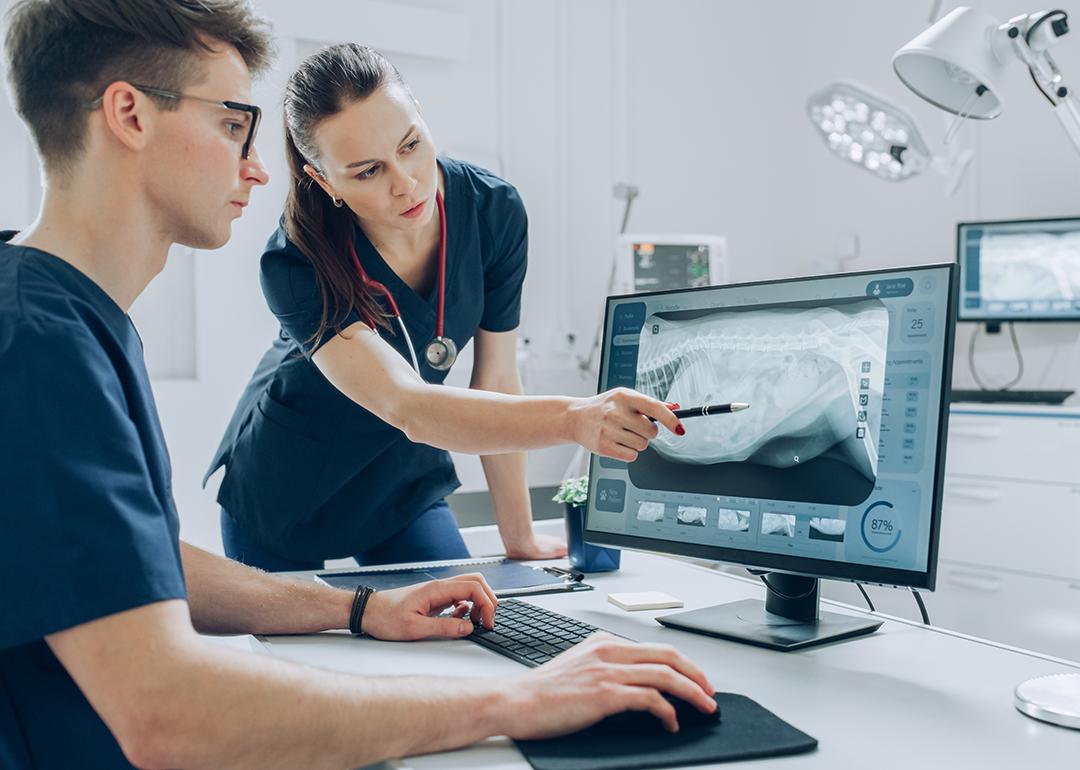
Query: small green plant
[{"x": 573, "y": 491}]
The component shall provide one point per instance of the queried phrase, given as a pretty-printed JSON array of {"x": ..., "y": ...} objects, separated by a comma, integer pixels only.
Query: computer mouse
[{"x": 686, "y": 713}]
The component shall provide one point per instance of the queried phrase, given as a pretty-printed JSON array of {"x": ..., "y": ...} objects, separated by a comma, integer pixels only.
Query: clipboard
[{"x": 505, "y": 576}]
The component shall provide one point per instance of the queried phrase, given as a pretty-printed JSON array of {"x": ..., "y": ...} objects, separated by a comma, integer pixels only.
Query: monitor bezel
[
  {"x": 802, "y": 565},
  {"x": 962, "y": 317}
]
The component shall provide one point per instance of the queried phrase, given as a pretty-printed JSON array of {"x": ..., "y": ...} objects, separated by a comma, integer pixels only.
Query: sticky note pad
[{"x": 644, "y": 600}]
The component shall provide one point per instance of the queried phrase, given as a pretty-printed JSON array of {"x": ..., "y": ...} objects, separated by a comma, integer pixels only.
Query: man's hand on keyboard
[
  {"x": 601, "y": 676},
  {"x": 405, "y": 614}
]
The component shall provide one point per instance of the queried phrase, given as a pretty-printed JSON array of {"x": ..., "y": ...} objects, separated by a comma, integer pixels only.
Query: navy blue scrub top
[
  {"x": 312, "y": 475},
  {"x": 87, "y": 515}
]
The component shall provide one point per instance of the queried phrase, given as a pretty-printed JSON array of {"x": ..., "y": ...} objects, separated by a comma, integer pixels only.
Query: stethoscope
[{"x": 441, "y": 352}]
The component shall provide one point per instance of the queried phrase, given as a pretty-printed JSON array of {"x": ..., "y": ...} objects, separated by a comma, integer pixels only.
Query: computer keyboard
[
  {"x": 1010, "y": 396},
  {"x": 529, "y": 634}
]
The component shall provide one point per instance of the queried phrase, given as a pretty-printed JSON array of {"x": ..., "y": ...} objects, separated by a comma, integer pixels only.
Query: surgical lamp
[
  {"x": 959, "y": 63},
  {"x": 868, "y": 130}
]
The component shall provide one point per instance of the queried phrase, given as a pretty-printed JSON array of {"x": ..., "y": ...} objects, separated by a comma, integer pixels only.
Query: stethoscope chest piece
[{"x": 441, "y": 353}]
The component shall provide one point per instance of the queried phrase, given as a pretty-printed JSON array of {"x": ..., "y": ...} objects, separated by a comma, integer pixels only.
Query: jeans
[{"x": 432, "y": 536}]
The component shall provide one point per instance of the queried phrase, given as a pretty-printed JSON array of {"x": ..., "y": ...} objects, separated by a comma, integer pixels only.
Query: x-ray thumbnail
[
  {"x": 733, "y": 520},
  {"x": 691, "y": 515},
  {"x": 813, "y": 375},
  {"x": 778, "y": 524},
  {"x": 827, "y": 529},
  {"x": 650, "y": 511}
]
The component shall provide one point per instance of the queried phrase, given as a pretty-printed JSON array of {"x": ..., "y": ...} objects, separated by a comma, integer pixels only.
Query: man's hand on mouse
[{"x": 602, "y": 676}]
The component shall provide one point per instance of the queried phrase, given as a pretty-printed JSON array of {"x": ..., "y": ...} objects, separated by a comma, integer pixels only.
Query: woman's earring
[{"x": 337, "y": 202}]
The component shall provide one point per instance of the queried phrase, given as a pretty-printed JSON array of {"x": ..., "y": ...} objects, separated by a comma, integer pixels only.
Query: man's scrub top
[
  {"x": 312, "y": 475},
  {"x": 87, "y": 518}
]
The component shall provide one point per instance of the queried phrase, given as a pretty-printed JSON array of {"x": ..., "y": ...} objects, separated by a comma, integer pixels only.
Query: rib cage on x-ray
[
  {"x": 801, "y": 370},
  {"x": 1016, "y": 266}
]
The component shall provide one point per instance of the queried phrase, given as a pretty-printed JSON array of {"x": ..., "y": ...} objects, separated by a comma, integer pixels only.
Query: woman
[{"x": 388, "y": 260}]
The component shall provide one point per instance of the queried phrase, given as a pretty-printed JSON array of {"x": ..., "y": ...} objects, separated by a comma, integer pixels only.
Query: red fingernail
[
  {"x": 680, "y": 430},
  {"x": 672, "y": 407}
]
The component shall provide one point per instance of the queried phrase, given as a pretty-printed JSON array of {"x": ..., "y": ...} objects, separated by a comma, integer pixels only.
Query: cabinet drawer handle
[
  {"x": 985, "y": 583},
  {"x": 984, "y": 494},
  {"x": 974, "y": 431}
]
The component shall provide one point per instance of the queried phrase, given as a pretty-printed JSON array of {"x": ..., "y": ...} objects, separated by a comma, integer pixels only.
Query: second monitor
[
  {"x": 1019, "y": 270},
  {"x": 835, "y": 470}
]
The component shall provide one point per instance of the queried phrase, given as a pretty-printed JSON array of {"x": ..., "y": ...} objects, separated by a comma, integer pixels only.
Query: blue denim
[{"x": 432, "y": 536}]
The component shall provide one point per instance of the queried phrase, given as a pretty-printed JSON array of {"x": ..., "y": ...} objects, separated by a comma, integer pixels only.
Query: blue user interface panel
[
  {"x": 1020, "y": 270},
  {"x": 835, "y": 459}
]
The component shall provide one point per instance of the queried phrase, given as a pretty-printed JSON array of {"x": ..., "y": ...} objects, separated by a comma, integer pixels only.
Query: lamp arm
[
  {"x": 1068, "y": 114},
  {"x": 1028, "y": 38}
]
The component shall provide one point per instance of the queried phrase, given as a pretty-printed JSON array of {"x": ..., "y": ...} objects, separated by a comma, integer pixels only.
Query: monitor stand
[{"x": 790, "y": 618}]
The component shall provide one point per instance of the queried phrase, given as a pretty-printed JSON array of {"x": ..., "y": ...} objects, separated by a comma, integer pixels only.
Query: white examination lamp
[{"x": 958, "y": 64}]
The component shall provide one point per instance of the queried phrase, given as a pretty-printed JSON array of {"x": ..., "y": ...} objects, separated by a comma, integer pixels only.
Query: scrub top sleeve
[
  {"x": 84, "y": 534},
  {"x": 292, "y": 293},
  {"x": 504, "y": 274}
]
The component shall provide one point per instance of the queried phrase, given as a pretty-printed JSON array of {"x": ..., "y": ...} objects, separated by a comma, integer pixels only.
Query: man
[{"x": 140, "y": 112}]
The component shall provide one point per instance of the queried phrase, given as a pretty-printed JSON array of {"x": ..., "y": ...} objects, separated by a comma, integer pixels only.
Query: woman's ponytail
[{"x": 324, "y": 84}]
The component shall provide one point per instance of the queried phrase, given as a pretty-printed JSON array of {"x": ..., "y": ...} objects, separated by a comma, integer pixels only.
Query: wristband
[{"x": 356, "y": 616}]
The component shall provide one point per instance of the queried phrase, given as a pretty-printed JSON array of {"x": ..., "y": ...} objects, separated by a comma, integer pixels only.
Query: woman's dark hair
[
  {"x": 62, "y": 54},
  {"x": 326, "y": 83}
]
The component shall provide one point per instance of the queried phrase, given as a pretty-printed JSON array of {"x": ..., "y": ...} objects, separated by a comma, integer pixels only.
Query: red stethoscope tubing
[{"x": 441, "y": 300}]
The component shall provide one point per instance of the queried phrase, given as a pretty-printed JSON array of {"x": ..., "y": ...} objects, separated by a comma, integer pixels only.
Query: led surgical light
[{"x": 866, "y": 129}]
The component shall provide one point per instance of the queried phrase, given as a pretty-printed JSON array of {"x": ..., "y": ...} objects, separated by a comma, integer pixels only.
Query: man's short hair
[{"x": 63, "y": 54}]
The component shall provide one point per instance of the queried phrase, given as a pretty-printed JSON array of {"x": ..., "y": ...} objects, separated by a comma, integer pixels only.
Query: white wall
[
  {"x": 18, "y": 193},
  {"x": 699, "y": 103}
]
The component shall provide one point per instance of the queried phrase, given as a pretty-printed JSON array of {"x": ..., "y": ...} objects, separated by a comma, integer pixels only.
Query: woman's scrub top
[{"x": 309, "y": 473}]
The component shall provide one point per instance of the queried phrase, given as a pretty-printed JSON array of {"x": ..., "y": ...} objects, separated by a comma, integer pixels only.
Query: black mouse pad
[{"x": 746, "y": 730}]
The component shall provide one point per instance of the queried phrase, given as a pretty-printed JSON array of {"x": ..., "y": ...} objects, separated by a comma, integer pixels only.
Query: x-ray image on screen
[
  {"x": 1030, "y": 266},
  {"x": 827, "y": 529},
  {"x": 782, "y": 524},
  {"x": 813, "y": 375},
  {"x": 648, "y": 511},
  {"x": 691, "y": 515},
  {"x": 733, "y": 520}
]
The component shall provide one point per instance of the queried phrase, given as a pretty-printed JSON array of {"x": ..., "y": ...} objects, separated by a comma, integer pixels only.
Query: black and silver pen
[{"x": 711, "y": 409}]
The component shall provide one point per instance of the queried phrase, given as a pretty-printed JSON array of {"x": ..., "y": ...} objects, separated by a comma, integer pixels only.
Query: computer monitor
[
  {"x": 1019, "y": 270},
  {"x": 835, "y": 470},
  {"x": 659, "y": 262}
]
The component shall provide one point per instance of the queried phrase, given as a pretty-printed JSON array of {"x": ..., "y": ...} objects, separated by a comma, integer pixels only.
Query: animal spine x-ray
[
  {"x": 813, "y": 376},
  {"x": 1023, "y": 266}
]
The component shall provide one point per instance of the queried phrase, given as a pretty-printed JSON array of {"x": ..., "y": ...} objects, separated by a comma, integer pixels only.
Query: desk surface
[{"x": 905, "y": 697}]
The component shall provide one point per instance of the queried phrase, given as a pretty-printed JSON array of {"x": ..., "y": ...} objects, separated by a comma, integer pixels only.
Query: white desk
[{"x": 904, "y": 697}]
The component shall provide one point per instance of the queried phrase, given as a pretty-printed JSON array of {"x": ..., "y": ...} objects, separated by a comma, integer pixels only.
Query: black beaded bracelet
[{"x": 360, "y": 600}]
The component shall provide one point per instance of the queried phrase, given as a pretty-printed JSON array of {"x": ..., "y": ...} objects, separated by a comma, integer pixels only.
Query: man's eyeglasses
[{"x": 254, "y": 114}]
